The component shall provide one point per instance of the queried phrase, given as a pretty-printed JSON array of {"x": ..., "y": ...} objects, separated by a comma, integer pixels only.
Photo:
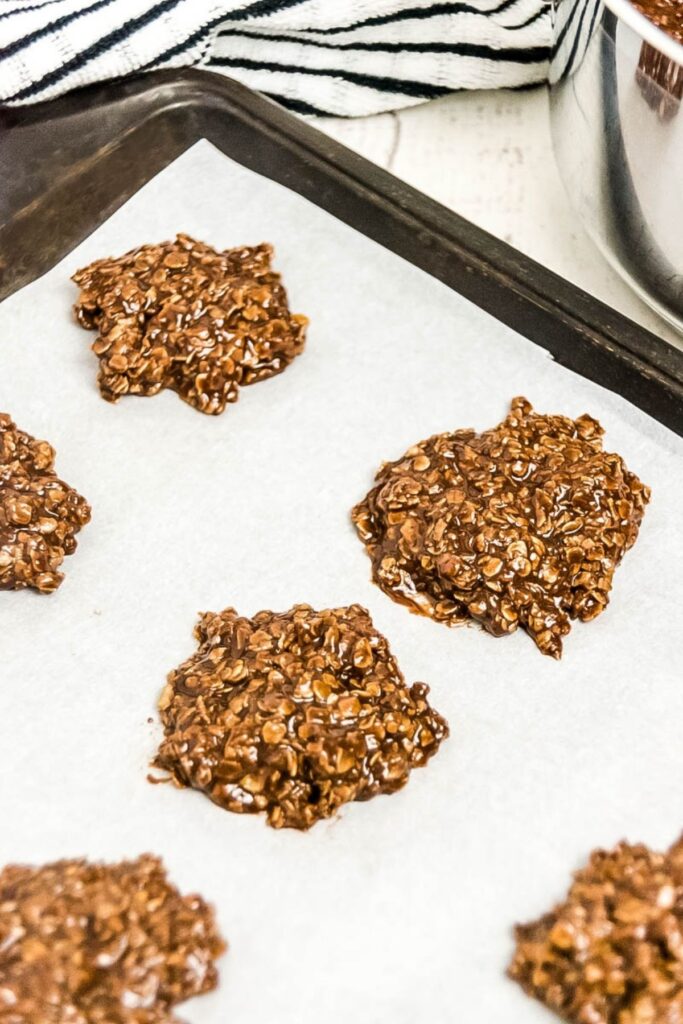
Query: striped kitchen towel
[{"x": 344, "y": 57}]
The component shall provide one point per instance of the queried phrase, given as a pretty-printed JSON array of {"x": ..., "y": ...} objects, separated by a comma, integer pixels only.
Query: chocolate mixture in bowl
[
  {"x": 522, "y": 525},
  {"x": 40, "y": 515},
  {"x": 183, "y": 316},
  {"x": 612, "y": 953},
  {"x": 84, "y": 943},
  {"x": 294, "y": 714},
  {"x": 660, "y": 78},
  {"x": 666, "y": 14}
]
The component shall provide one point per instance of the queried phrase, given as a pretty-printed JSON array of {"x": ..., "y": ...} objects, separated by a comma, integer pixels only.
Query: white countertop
[{"x": 488, "y": 156}]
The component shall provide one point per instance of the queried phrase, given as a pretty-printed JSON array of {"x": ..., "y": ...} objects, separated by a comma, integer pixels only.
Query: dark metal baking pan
[{"x": 66, "y": 165}]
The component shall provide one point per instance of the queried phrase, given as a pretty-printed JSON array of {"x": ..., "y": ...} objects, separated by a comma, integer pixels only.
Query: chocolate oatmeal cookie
[
  {"x": 522, "y": 525},
  {"x": 294, "y": 714},
  {"x": 183, "y": 316}
]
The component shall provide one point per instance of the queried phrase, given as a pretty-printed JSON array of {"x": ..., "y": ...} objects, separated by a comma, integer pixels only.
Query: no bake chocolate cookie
[
  {"x": 612, "y": 953},
  {"x": 183, "y": 316},
  {"x": 294, "y": 714},
  {"x": 40, "y": 515},
  {"x": 522, "y": 525},
  {"x": 84, "y": 943}
]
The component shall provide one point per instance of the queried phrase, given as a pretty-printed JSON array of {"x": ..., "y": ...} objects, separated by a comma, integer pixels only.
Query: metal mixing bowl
[{"x": 617, "y": 124}]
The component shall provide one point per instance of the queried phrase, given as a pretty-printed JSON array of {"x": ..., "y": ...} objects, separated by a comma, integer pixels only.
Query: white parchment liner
[{"x": 401, "y": 909}]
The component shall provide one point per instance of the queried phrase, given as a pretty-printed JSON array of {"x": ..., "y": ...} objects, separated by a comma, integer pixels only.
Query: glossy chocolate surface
[
  {"x": 183, "y": 316},
  {"x": 294, "y": 714},
  {"x": 84, "y": 943},
  {"x": 612, "y": 952},
  {"x": 40, "y": 515},
  {"x": 522, "y": 525}
]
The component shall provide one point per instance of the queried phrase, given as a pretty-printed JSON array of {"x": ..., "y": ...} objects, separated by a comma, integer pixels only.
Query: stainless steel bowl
[{"x": 617, "y": 124}]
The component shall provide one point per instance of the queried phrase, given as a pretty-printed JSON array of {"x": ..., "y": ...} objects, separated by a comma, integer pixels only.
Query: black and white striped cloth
[
  {"x": 344, "y": 57},
  {"x": 575, "y": 24}
]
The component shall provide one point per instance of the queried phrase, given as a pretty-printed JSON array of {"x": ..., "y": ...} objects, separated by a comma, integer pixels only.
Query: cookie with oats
[
  {"x": 40, "y": 515},
  {"x": 183, "y": 316},
  {"x": 294, "y": 714},
  {"x": 611, "y": 953},
  {"x": 85, "y": 943},
  {"x": 521, "y": 525}
]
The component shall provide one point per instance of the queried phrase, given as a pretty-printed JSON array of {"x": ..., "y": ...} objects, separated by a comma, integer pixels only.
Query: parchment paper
[{"x": 401, "y": 909}]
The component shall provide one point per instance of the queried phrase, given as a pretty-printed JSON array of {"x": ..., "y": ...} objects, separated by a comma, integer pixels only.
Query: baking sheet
[{"x": 400, "y": 909}]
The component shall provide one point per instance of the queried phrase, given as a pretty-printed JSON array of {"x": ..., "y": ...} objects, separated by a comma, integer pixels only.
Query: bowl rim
[{"x": 646, "y": 29}]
